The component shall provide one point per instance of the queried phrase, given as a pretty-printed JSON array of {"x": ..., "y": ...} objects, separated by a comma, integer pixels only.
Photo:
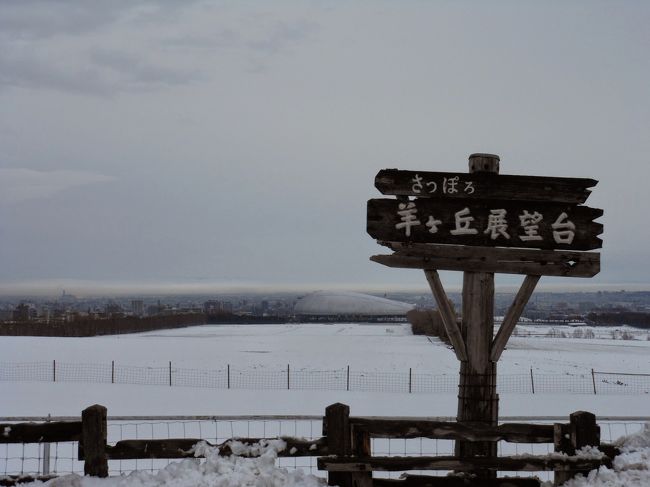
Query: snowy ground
[
  {"x": 386, "y": 347},
  {"x": 377, "y": 347}
]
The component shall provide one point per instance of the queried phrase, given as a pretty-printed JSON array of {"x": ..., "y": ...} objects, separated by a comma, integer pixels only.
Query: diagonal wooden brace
[
  {"x": 512, "y": 317},
  {"x": 447, "y": 314}
]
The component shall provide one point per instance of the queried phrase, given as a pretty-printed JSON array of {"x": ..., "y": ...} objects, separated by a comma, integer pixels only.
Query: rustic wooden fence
[
  {"x": 350, "y": 462},
  {"x": 344, "y": 450}
]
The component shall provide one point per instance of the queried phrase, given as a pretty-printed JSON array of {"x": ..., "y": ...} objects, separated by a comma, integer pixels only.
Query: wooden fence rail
[{"x": 344, "y": 451}]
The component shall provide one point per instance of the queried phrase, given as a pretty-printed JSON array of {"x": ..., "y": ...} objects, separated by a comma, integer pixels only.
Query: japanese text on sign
[
  {"x": 446, "y": 185},
  {"x": 496, "y": 228}
]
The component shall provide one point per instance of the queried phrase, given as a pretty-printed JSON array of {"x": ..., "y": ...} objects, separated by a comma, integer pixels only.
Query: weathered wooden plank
[
  {"x": 485, "y": 223},
  {"x": 520, "y": 463},
  {"x": 184, "y": 448},
  {"x": 40, "y": 432},
  {"x": 491, "y": 259},
  {"x": 445, "y": 430},
  {"x": 456, "y": 481},
  {"x": 512, "y": 317},
  {"x": 426, "y": 184},
  {"x": 447, "y": 314}
]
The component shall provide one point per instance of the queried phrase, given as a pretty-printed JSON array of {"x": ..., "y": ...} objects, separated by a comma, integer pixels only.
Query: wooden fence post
[
  {"x": 361, "y": 448},
  {"x": 581, "y": 431},
  {"x": 92, "y": 447},
  {"x": 340, "y": 442},
  {"x": 337, "y": 429}
]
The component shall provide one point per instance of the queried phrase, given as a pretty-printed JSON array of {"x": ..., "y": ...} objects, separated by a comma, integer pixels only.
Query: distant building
[
  {"x": 212, "y": 306},
  {"x": 137, "y": 307},
  {"x": 349, "y": 306},
  {"x": 21, "y": 313}
]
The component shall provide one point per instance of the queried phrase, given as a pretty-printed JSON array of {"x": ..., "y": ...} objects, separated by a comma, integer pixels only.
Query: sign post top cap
[
  {"x": 484, "y": 155},
  {"x": 480, "y": 162}
]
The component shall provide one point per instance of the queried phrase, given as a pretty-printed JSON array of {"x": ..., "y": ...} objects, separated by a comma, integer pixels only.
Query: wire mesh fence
[
  {"x": 408, "y": 381},
  {"x": 61, "y": 458}
]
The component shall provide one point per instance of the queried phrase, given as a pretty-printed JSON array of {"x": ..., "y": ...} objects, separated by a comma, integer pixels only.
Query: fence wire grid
[
  {"x": 29, "y": 459},
  {"x": 409, "y": 381}
]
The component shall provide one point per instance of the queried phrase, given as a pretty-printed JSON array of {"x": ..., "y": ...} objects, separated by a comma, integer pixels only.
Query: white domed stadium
[{"x": 342, "y": 305}]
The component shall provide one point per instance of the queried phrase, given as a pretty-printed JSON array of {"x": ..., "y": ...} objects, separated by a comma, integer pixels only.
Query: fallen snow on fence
[
  {"x": 631, "y": 468},
  {"x": 215, "y": 471}
]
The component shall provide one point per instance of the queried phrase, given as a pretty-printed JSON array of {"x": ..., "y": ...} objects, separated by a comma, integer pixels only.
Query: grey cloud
[
  {"x": 104, "y": 73},
  {"x": 34, "y": 72},
  {"x": 281, "y": 35},
  {"x": 37, "y": 19},
  {"x": 19, "y": 184},
  {"x": 50, "y": 44},
  {"x": 138, "y": 72}
]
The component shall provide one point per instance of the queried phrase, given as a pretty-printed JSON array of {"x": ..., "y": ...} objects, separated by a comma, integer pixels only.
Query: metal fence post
[
  {"x": 288, "y": 379},
  {"x": 228, "y": 376},
  {"x": 532, "y": 381},
  {"x": 593, "y": 379},
  {"x": 46, "y": 453},
  {"x": 112, "y": 371},
  {"x": 347, "y": 385},
  {"x": 53, "y": 370},
  {"x": 170, "y": 373},
  {"x": 410, "y": 380}
]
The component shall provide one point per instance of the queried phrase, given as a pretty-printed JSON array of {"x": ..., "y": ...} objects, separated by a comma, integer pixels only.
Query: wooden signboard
[
  {"x": 483, "y": 185},
  {"x": 489, "y": 223},
  {"x": 481, "y": 223}
]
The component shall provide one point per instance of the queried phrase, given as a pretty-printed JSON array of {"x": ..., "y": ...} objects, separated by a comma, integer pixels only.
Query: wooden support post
[
  {"x": 92, "y": 447},
  {"x": 447, "y": 314},
  {"x": 478, "y": 402},
  {"x": 477, "y": 397},
  {"x": 512, "y": 317}
]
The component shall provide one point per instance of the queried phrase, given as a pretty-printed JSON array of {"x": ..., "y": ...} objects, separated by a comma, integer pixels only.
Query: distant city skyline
[{"x": 197, "y": 146}]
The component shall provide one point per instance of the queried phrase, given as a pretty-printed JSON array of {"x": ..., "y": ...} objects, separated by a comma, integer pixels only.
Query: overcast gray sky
[{"x": 237, "y": 142}]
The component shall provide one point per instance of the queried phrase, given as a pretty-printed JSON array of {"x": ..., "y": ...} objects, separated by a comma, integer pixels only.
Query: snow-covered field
[{"x": 370, "y": 347}]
